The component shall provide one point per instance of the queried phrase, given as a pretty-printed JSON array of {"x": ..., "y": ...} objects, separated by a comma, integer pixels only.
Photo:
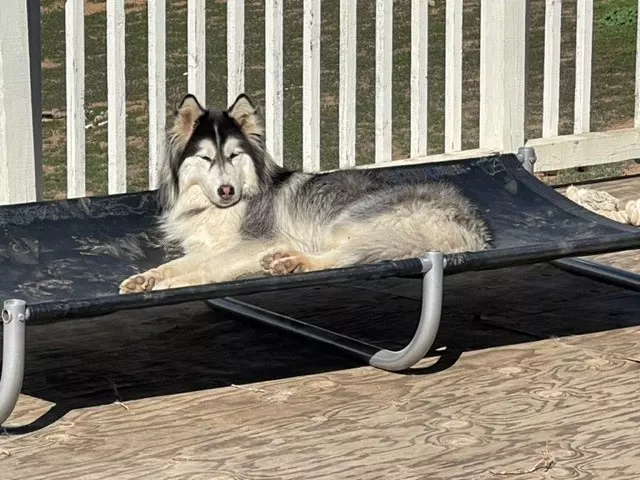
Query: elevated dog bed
[{"x": 65, "y": 259}]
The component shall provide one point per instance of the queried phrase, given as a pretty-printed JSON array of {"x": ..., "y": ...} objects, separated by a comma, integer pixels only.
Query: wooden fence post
[
  {"x": 502, "y": 74},
  {"x": 19, "y": 173}
]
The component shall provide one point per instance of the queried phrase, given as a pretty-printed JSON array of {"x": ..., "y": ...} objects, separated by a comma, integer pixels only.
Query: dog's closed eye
[{"x": 208, "y": 159}]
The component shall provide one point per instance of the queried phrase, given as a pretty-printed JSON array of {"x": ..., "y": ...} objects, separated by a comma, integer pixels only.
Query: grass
[{"x": 612, "y": 88}]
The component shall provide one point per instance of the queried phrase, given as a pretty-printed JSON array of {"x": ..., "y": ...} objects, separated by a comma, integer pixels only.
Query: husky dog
[{"x": 234, "y": 212}]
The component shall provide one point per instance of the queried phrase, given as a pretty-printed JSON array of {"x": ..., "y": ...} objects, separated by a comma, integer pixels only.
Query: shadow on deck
[{"x": 186, "y": 348}]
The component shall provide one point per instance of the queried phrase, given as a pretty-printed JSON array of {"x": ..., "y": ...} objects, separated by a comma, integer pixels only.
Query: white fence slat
[
  {"x": 74, "y": 34},
  {"x": 196, "y": 49},
  {"x": 419, "y": 81},
  {"x": 347, "y": 95},
  {"x": 311, "y": 86},
  {"x": 17, "y": 163},
  {"x": 453, "y": 77},
  {"x": 274, "y": 93},
  {"x": 235, "y": 49},
  {"x": 117, "y": 104},
  {"x": 584, "y": 36},
  {"x": 552, "y": 46},
  {"x": 384, "y": 76},
  {"x": 157, "y": 86},
  {"x": 502, "y": 74},
  {"x": 636, "y": 121}
]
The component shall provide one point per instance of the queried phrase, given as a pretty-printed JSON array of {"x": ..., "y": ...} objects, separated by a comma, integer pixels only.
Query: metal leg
[
  {"x": 527, "y": 156},
  {"x": 13, "y": 319},
  {"x": 418, "y": 347},
  {"x": 432, "y": 286}
]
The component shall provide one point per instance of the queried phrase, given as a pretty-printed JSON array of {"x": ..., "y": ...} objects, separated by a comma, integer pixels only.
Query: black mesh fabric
[{"x": 67, "y": 258}]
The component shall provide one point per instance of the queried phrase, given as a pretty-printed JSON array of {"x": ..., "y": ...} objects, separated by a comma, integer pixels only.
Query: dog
[{"x": 235, "y": 213}]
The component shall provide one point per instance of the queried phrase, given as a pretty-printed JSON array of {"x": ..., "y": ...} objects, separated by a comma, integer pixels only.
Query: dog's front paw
[
  {"x": 142, "y": 282},
  {"x": 283, "y": 263}
]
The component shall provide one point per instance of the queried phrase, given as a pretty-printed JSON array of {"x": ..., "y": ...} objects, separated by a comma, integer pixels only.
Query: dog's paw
[
  {"x": 142, "y": 282},
  {"x": 283, "y": 263}
]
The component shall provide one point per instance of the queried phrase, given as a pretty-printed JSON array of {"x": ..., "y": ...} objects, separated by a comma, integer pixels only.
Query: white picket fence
[{"x": 502, "y": 88}]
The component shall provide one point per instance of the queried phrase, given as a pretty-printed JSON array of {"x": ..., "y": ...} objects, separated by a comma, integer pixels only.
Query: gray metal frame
[
  {"x": 391, "y": 360},
  {"x": 580, "y": 266},
  {"x": 14, "y": 316},
  {"x": 13, "y": 320},
  {"x": 603, "y": 273},
  {"x": 432, "y": 290}
]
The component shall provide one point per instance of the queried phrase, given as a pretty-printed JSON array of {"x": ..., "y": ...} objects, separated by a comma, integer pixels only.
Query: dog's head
[{"x": 220, "y": 151}]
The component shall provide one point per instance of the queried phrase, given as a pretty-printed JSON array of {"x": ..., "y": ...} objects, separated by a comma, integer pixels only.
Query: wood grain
[
  {"x": 197, "y": 49},
  {"x": 524, "y": 403},
  {"x": 419, "y": 77},
  {"x": 235, "y": 50},
  {"x": 273, "y": 69},
  {"x": 585, "y": 150},
  {"x": 537, "y": 364},
  {"x": 18, "y": 178},
  {"x": 552, "y": 51},
  {"x": 502, "y": 75},
  {"x": 157, "y": 77},
  {"x": 311, "y": 39},
  {"x": 384, "y": 82},
  {"x": 347, "y": 94},
  {"x": 116, "y": 95},
  {"x": 75, "y": 95},
  {"x": 584, "y": 50},
  {"x": 453, "y": 77}
]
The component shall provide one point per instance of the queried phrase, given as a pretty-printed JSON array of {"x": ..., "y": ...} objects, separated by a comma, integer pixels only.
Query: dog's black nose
[{"x": 225, "y": 192}]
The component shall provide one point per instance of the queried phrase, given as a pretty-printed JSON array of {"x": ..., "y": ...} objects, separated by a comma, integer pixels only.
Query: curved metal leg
[
  {"x": 13, "y": 319},
  {"x": 432, "y": 284},
  {"x": 418, "y": 347}
]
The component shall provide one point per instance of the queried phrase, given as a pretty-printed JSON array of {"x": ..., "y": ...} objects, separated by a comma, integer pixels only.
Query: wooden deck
[{"x": 535, "y": 375}]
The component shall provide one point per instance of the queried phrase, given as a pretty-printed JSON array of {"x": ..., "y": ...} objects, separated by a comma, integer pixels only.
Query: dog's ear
[
  {"x": 246, "y": 116},
  {"x": 186, "y": 116}
]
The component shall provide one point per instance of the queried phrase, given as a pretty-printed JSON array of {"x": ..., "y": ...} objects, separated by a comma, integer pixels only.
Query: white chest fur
[{"x": 196, "y": 224}]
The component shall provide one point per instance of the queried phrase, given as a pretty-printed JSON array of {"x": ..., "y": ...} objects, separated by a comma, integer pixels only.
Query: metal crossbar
[{"x": 391, "y": 360}]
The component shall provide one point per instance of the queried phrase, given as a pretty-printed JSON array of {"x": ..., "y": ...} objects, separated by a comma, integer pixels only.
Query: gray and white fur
[{"x": 234, "y": 212}]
